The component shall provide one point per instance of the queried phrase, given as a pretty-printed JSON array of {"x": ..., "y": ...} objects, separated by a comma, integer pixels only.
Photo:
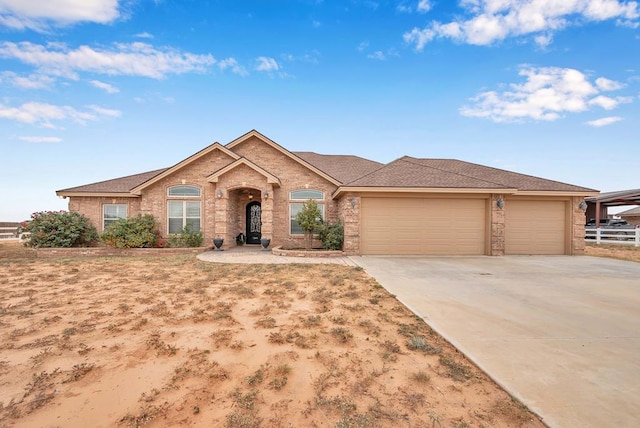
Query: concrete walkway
[
  {"x": 562, "y": 334},
  {"x": 253, "y": 254}
]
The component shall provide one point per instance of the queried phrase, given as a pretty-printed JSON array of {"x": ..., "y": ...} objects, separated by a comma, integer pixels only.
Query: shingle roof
[
  {"x": 344, "y": 168},
  {"x": 451, "y": 173},
  {"x": 116, "y": 185},
  {"x": 632, "y": 212}
]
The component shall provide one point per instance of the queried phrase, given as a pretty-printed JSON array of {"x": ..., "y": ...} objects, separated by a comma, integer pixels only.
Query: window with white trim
[
  {"x": 183, "y": 212},
  {"x": 111, "y": 213},
  {"x": 296, "y": 200}
]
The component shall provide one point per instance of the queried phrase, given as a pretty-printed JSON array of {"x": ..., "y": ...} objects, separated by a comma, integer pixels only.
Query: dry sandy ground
[
  {"x": 173, "y": 341},
  {"x": 614, "y": 251}
]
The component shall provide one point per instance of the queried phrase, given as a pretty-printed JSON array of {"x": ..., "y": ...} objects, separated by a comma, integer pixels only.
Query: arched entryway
[{"x": 254, "y": 222}]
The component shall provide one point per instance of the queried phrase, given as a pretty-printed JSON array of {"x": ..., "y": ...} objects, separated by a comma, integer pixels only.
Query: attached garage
[
  {"x": 535, "y": 227},
  {"x": 421, "y": 225}
]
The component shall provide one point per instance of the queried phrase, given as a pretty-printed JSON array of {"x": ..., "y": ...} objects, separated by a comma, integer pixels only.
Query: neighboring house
[
  {"x": 409, "y": 206},
  {"x": 632, "y": 216}
]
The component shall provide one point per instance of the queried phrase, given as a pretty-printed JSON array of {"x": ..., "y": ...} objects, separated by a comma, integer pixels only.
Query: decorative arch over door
[{"x": 254, "y": 222}]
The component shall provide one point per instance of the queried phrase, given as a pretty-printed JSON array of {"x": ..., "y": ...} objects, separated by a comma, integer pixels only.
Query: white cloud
[
  {"x": 378, "y": 55},
  {"x": 232, "y": 64},
  {"x": 134, "y": 59},
  {"x": 604, "y": 121},
  {"x": 41, "y": 139},
  {"x": 489, "y": 21},
  {"x": 32, "y": 81},
  {"x": 144, "y": 35},
  {"x": 39, "y": 14},
  {"x": 105, "y": 111},
  {"x": 424, "y": 6},
  {"x": 608, "y": 85},
  {"x": 266, "y": 64},
  {"x": 107, "y": 87},
  {"x": 547, "y": 94},
  {"x": 44, "y": 114}
]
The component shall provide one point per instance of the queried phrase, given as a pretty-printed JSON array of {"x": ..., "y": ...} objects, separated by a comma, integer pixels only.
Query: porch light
[
  {"x": 353, "y": 202},
  {"x": 219, "y": 194},
  {"x": 266, "y": 194},
  {"x": 582, "y": 205},
  {"x": 500, "y": 203}
]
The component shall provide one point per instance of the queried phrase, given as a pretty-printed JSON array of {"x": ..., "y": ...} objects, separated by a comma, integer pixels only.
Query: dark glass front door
[{"x": 254, "y": 223}]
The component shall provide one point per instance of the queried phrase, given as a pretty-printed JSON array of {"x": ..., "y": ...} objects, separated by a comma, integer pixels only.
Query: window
[
  {"x": 184, "y": 191},
  {"x": 181, "y": 213},
  {"x": 111, "y": 213},
  {"x": 297, "y": 199}
]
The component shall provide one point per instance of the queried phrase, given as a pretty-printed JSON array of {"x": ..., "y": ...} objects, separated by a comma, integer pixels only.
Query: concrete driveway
[{"x": 562, "y": 334}]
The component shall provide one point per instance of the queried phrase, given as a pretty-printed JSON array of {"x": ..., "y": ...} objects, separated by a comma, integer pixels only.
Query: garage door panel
[
  {"x": 535, "y": 227},
  {"x": 423, "y": 226}
]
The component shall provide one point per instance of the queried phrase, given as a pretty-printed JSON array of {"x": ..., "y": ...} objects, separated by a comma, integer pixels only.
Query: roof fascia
[
  {"x": 63, "y": 194},
  {"x": 278, "y": 147},
  {"x": 215, "y": 146},
  {"x": 345, "y": 189},
  {"x": 271, "y": 179},
  {"x": 555, "y": 193}
]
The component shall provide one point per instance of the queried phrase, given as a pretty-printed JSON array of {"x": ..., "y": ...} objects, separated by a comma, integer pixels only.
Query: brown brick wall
[
  {"x": 92, "y": 207},
  {"x": 497, "y": 226},
  {"x": 293, "y": 176},
  {"x": 578, "y": 231}
]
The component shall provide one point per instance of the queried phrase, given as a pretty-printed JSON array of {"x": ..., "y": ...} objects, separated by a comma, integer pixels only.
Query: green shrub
[
  {"x": 55, "y": 229},
  {"x": 331, "y": 235},
  {"x": 132, "y": 232},
  {"x": 186, "y": 238}
]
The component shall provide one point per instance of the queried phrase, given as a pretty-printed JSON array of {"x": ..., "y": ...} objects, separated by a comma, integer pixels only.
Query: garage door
[
  {"x": 423, "y": 226},
  {"x": 535, "y": 227}
]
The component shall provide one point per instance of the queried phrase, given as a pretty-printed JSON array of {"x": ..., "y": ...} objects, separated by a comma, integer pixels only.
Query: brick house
[{"x": 254, "y": 186}]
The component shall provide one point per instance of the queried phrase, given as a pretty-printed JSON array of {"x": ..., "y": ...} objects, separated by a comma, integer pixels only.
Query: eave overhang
[
  {"x": 271, "y": 179},
  {"x": 502, "y": 191},
  {"x": 63, "y": 194}
]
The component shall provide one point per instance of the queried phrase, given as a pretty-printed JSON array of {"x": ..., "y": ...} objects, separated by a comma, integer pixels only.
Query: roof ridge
[
  {"x": 374, "y": 171},
  {"x": 453, "y": 172}
]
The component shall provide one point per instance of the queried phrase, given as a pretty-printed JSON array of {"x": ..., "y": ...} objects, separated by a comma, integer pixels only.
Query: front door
[{"x": 254, "y": 222}]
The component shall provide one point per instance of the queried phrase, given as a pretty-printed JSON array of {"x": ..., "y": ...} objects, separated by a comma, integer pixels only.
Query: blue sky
[{"x": 97, "y": 89}]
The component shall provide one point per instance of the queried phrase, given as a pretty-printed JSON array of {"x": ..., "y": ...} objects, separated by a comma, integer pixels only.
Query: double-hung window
[
  {"x": 111, "y": 213},
  {"x": 296, "y": 199},
  {"x": 183, "y": 208}
]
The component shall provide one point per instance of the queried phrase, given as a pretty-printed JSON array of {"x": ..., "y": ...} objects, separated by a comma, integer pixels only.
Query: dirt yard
[
  {"x": 173, "y": 341},
  {"x": 622, "y": 252}
]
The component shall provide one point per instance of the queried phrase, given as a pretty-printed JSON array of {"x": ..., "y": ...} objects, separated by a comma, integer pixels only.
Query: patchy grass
[
  {"x": 173, "y": 341},
  {"x": 620, "y": 252}
]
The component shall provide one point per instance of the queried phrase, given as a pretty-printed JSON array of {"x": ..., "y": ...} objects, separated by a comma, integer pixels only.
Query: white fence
[
  {"x": 614, "y": 236},
  {"x": 8, "y": 232}
]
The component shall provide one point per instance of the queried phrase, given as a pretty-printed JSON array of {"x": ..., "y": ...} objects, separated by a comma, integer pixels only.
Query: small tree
[
  {"x": 309, "y": 219},
  {"x": 49, "y": 229}
]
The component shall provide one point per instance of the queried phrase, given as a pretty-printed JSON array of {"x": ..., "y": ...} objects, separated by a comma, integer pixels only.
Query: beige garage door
[
  {"x": 423, "y": 226},
  {"x": 535, "y": 227}
]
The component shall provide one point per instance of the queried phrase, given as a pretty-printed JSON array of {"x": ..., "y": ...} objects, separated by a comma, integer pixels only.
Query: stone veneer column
[
  {"x": 220, "y": 220},
  {"x": 267, "y": 213},
  {"x": 497, "y": 226},
  {"x": 578, "y": 219},
  {"x": 350, "y": 216}
]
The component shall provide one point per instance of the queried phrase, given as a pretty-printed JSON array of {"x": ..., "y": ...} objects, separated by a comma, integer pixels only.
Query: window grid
[
  {"x": 296, "y": 199},
  {"x": 111, "y": 213}
]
